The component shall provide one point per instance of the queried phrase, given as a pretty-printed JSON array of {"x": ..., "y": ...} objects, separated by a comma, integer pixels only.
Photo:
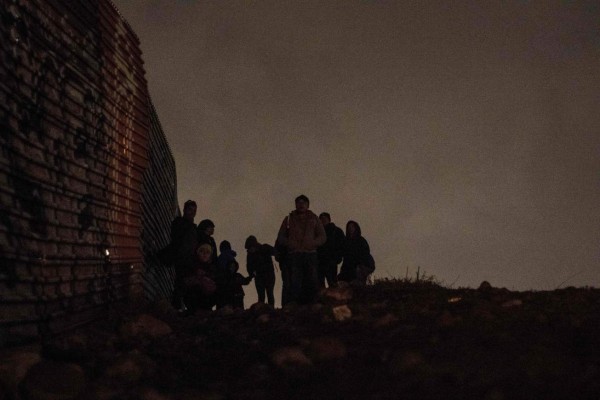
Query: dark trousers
[
  {"x": 265, "y": 286},
  {"x": 286, "y": 282},
  {"x": 238, "y": 301},
  {"x": 327, "y": 272},
  {"x": 304, "y": 278}
]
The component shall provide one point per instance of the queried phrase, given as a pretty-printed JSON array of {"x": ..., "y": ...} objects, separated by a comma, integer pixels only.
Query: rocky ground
[{"x": 391, "y": 340}]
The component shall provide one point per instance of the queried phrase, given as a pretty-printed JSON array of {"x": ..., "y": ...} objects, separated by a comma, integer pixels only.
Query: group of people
[{"x": 308, "y": 250}]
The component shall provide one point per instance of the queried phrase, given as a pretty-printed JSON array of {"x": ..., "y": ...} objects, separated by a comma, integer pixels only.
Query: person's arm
[
  {"x": 250, "y": 266},
  {"x": 282, "y": 235},
  {"x": 320, "y": 235},
  {"x": 364, "y": 252}
]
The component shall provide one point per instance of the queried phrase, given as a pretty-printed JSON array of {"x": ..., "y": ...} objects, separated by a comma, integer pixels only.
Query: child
[{"x": 230, "y": 282}]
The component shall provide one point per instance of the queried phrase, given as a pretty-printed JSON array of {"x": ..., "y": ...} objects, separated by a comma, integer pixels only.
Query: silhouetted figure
[
  {"x": 330, "y": 253},
  {"x": 259, "y": 263},
  {"x": 358, "y": 262},
  {"x": 184, "y": 241},
  {"x": 302, "y": 233},
  {"x": 237, "y": 291},
  {"x": 200, "y": 286},
  {"x": 206, "y": 230},
  {"x": 229, "y": 281}
]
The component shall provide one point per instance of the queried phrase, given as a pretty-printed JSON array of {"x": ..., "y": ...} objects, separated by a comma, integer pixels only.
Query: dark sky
[{"x": 464, "y": 138}]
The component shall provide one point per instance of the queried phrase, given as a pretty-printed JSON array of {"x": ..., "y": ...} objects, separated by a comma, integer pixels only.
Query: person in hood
[
  {"x": 301, "y": 233},
  {"x": 358, "y": 262},
  {"x": 331, "y": 253},
  {"x": 259, "y": 263}
]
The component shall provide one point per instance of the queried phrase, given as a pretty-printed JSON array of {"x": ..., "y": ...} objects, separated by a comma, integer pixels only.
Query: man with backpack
[
  {"x": 301, "y": 233},
  {"x": 331, "y": 253}
]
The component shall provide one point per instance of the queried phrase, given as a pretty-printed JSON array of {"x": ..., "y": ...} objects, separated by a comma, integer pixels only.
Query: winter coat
[
  {"x": 184, "y": 241},
  {"x": 260, "y": 264},
  {"x": 333, "y": 249},
  {"x": 302, "y": 232},
  {"x": 356, "y": 252},
  {"x": 203, "y": 237}
]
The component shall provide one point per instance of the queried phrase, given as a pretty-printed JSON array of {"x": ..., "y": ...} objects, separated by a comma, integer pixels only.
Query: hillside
[{"x": 393, "y": 339}]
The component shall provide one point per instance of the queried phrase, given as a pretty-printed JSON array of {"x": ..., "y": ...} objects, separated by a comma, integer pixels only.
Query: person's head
[
  {"x": 189, "y": 209},
  {"x": 224, "y": 246},
  {"x": 302, "y": 203},
  {"x": 204, "y": 253},
  {"x": 207, "y": 226},
  {"x": 234, "y": 267},
  {"x": 251, "y": 243},
  {"x": 352, "y": 229},
  {"x": 325, "y": 218}
]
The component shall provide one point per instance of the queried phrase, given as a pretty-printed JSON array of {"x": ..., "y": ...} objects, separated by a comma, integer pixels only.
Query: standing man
[
  {"x": 331, "y": 253},
  {"x": 184, "y": 241},
  {"x": 302, "y": 233}
]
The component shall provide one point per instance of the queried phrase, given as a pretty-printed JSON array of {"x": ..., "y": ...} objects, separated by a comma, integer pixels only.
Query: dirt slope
[{"x": 392, "y": 340}]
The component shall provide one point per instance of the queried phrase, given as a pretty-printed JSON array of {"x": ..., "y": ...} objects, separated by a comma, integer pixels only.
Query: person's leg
[
  {"x": 310, "y": 280},
  {"x": 331, "y": 273},
  {"x": 260, "y": 288},
  {"x": 238, "y": 302},
  {"x": 296, "y": 276},
  {"x": 285, "y": 283},
  {"x": 269, "y": 286},
  {"x": 322, "y": 272}
]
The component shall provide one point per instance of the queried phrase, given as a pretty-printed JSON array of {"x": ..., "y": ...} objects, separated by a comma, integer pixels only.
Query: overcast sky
[{"x": 464, "y": 138}]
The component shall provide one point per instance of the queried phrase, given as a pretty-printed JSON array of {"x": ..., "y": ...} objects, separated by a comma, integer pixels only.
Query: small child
[
  {"x": 237, "y": 290},
  {"x": 229, "y": 281}
]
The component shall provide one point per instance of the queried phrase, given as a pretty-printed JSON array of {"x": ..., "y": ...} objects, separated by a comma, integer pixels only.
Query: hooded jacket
[
  {"x": 356, "y": 252},
  {"x": 302, "y": 233}
]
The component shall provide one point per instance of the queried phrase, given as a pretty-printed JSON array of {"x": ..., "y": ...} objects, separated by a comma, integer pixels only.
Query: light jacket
[{"x": 302, "y": 233}]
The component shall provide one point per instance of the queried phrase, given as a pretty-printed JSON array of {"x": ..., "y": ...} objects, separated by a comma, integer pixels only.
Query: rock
[
  {"x": 261, "y": 308},
  {"x": 316, "y": 307},
  {"x": 125, "y": 370},
  {"x": 326, "y": 349},
  {"x": 407, "y": 362},
  {"x": 152, "y": 394},
  {"x": 342, "y": 313},
  {"x": 73, "y": 347},
  {"x": 447, "y": 319},
  {"x": 131, "y": 367},
  {"x": 483, "y": 311},
  {"x": 494, "y": 394},
  {"x": 290, "y": 358},
  {"x": 53, "y": 380},
  {"x": 512, "y": 303},
  {"x": 339, "y": 294},
  {"x": 145, "y": 325},
  {"x": 386, "y": 320},
  {"x": 104, "y": 391},
  {"x": 164, "y": 307},
  {"x": 14, "y": 367},
  {"x": 263, "y": 318},
  {"x": 227, "y": 310}
]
